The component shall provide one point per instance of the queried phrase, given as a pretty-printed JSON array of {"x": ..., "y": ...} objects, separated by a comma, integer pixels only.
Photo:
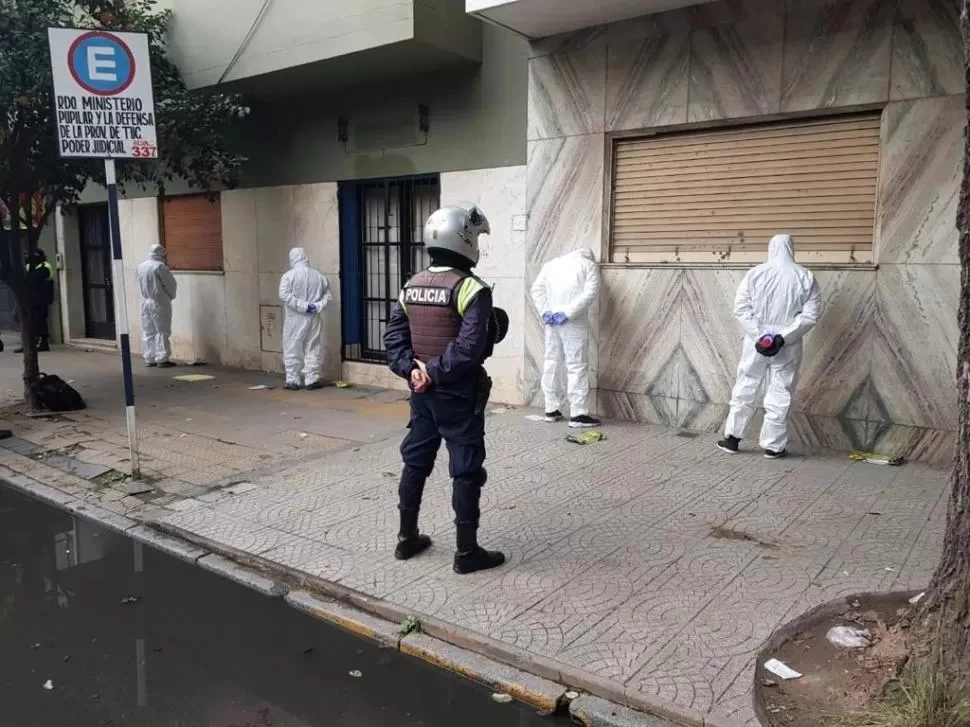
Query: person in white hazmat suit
[
  {"x": 563, "y": 293},
  {"x": 777, "y": 303},
  {"x": 305, "y": 293},
  {"x": 158, "y": 288}
]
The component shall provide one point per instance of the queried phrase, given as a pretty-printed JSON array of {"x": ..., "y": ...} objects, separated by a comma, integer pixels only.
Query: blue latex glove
[
  {"x": 311, "y": 309},
  {"x": 547, "y": 318},
  {"x": 559, "y": 319}
]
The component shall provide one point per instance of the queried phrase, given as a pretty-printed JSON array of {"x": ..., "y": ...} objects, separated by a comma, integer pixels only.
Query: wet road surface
[{"x": 95, "y": 630}]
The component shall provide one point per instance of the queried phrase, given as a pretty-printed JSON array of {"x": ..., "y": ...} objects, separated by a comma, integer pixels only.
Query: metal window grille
[{"x": 393, "y": 213}]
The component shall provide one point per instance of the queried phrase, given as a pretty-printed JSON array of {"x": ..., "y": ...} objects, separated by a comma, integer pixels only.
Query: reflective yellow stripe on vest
[
  {"x": 467, "y": 290},
  {"x": 46, "y": 264}
]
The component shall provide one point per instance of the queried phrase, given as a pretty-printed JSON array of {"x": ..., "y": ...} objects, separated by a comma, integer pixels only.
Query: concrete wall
[
  {"x": 477, "y": 121},
  {"x": 879, "y": 370},
  {"x": 205, "y": 35}
]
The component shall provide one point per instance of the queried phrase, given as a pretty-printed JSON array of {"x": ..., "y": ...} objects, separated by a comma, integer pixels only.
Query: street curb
[
  {"x": 472, "y": 645},
  {"x": 471, "y": 655}
]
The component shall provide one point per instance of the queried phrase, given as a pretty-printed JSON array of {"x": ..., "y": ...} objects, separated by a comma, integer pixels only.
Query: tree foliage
[{"x": 192, "y": 129}]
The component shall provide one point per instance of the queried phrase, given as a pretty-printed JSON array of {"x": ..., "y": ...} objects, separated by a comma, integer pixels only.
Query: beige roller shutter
[{"x": 718, "y": 195}]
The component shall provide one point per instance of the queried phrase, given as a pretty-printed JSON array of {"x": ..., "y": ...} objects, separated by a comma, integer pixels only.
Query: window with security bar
[
  {"x": 393, "y": 213},
  {"x": 718, "y": 196}
]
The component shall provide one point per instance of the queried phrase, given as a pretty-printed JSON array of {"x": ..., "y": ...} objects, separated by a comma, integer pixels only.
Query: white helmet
[{"x": 456, "y": 229}]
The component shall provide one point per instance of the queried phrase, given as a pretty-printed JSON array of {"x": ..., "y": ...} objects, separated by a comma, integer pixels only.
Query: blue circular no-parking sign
[{"x": 101, "y": 63}]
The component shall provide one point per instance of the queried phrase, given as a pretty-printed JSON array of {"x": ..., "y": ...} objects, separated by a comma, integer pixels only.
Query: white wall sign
[{"x": 103, "y": 91}]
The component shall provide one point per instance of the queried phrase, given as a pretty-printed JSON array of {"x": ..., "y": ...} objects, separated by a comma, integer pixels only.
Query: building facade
[
  {"x": 669, "y": 143},
  {"x": 365, "y": 117},
  {"x": 670, "y": 136}
]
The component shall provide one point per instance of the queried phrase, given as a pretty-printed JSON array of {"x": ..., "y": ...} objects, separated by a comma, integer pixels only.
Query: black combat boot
[
  {"x": 43, "y": 344},
  {"x": 410, "y": 542},
  {"x": 470, "y": 557}
]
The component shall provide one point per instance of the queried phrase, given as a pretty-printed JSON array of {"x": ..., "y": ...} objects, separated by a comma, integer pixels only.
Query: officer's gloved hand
[
  {"x": 559, "y": 319},
  {"x": 547, "y": 318},
  {"x": 311, "y": 309}
]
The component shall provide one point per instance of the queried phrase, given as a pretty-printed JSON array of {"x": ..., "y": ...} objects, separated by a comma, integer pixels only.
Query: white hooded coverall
[
  {"x": 568, "y": 285},
  {"x": 300, "y": 287},
  {"x": 158, "y": 288},
  {"x": 777, "y": 297}
]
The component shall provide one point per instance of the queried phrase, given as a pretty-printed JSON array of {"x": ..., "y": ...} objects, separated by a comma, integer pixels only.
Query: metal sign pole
[{"x": 121, "y": 313}]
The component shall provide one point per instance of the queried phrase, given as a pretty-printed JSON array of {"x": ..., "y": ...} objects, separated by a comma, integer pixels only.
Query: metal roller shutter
[
  {"x": 192, "y": 232},
  {"x": 721, "y": 195}
]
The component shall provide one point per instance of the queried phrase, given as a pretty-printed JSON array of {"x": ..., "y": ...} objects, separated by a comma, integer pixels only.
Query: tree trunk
[
  {"x": 944, "y": 615},
  {"x": 28, "y": 341}
]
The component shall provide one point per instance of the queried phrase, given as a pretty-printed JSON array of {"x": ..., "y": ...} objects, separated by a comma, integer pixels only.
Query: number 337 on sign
[{"x": 144, "y": 150}]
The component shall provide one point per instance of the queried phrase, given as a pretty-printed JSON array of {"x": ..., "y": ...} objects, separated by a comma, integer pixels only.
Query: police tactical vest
[{"x": 431, "y": 301}]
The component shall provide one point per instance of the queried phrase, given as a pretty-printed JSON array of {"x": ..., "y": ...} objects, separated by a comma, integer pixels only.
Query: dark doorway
[
  {"x": 383, "y": 246},
  {"x": 99, "y": 315}
]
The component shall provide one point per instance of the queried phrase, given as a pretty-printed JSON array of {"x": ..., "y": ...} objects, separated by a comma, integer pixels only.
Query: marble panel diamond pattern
[
  {"x": 647, "y": 81},
  {"x": 919, "y": 181},
  {"x": 566, "y": 94},
  {"x": 736, "y": 68},
  {"x": 565, "y": 196},
  {"x": 837, "y": 53},
  {"x": 915, "y": 335},
  {"x": 927, "y": 50}
]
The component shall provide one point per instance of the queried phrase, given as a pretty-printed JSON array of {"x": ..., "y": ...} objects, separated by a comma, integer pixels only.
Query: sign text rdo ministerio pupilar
[{"x": 103, "y": 89}]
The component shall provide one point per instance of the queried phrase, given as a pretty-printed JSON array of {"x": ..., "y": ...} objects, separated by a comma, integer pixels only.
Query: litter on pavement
[
  {"x": 356, "y": 674},
  {"x": 781, "y": 669},
  {"x": 501, "y": 698},
  {"x": 48, "y": 685},
  {"x": 849, "y": 637},
  {"x": 260, "y": 387},
  {"x": 193, "y": 377},
  {"x": 917, "y": 598},
  {"x": 586, "y": 438},
  {"x": 884, "y": 459},
  {"x": 343, "y": 384}
]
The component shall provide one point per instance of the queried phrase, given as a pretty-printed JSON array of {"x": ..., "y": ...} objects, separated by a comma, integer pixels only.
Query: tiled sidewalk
[{"x": 650, "y": 562}]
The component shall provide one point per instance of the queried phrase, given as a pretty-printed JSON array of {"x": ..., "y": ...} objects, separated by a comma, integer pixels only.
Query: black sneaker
[
  {"x": 166, "y": 365},
  {"x": 292, "y": 387},
  {"x": 770, "y": 454},
  {"x": 315, "y": 386},
  {"x": 729, "y": 445},
  {"x": 476, "y": 560},
  {"x": 584, "y": 421},
  {"x": 411, "y": 546},
  {"x": 553, "y": 416},
  {"x": 19, "y": 349},
  {"x": 151, "y": 364}
]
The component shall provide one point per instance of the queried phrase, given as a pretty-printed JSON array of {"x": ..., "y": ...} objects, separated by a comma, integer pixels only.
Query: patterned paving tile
[{"x": 648, "y": 559}]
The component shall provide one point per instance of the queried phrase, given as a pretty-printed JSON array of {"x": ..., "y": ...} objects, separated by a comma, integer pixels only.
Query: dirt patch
[
  {"x": 723, "y": 533},
  {"x": 836, "y": 682}
]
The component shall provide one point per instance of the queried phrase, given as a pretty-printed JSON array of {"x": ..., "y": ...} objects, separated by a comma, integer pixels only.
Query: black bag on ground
[{"x": 55, "y": 394}]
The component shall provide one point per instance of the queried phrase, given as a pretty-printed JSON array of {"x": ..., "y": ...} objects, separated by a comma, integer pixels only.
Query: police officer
[
  {"x": 440, "y": 333},
  {"x": 40, "y": 289}
]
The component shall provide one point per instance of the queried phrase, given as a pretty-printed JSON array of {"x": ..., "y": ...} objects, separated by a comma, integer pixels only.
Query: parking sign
[{"x": 103, "y": 91}]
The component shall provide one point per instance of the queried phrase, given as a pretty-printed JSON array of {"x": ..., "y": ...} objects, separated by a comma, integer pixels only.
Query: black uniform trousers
[{"x": 458, "y": 417}]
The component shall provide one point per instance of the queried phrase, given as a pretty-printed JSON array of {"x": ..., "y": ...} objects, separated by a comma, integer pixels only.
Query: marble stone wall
[{"x": 879, "y": 370}]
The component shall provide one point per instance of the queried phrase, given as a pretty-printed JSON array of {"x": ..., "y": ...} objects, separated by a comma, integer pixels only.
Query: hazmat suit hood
[
  {"x": 156, "y": 253},
  {"x": 587, "y": 254},
  {"x": 298, "y": 256},
  {"x": 781, "y": 249}
]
